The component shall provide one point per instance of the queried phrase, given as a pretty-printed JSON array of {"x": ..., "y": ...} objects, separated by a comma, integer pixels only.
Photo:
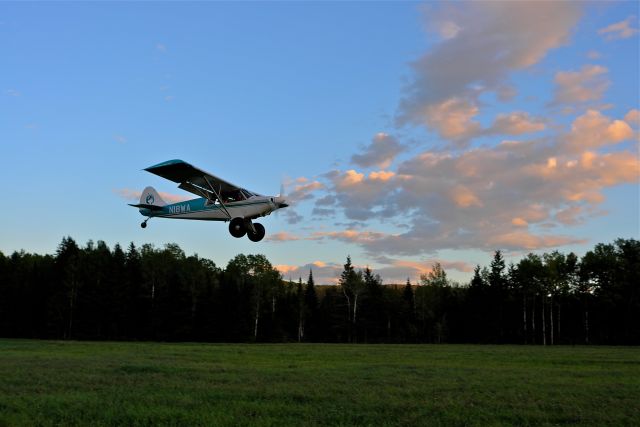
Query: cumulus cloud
[
  {"x": 633, "y": 117},
  {"x": 483, "y": 42},
  {"x": 516, "y": 123},
  {"x": 514, "y": 194},
  {"x": 587, "y": 84},
  {"x": 381, "y": 152},
  {"x": 489, "y": 197},
  {"x": 282, "y": 236},
  {"x": 304, "y": 190},
  {"x": 593, "y": 130},
  {"x": 620, "y": 30}
]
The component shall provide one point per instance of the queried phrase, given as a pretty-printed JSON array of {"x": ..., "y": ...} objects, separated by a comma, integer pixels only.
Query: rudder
[{"x": 150, "y": 196}]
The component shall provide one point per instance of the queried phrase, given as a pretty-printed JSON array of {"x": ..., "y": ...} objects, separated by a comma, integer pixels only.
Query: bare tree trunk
[
  {"x": 71, "y": 298},
  {"x": 255, "y": 324},
  {"x": 544, "y": 322},
  {"x": 388, "y": 327},
  {"x": 355, "y": 309},
  {"x": 524, "y": 316},
  {"x": 559, "y": 339},
  {"x": 586, "y": 322},
  {"x": 551, "y": 319},
  {"x": 348, "y": 314},
  {"x": 273, "y": 306},
  {"x": 533, "y": 319}
]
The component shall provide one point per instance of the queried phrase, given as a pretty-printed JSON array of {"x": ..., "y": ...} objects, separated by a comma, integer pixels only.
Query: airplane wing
[{"x": 192, "y": 179}]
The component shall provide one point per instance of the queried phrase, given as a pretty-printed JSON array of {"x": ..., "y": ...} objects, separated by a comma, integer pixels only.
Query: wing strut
[{"x": 218, "y": 196}]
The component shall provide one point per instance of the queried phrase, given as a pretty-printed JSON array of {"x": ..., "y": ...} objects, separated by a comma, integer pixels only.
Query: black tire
[
  {"x": 143, "y": 225},
  {"x": 237, "y": 228},
  {"x": 258, "y": 235}
]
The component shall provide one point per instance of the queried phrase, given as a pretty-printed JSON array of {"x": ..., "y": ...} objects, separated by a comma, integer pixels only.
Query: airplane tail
[{"x": 151, "y": 197}]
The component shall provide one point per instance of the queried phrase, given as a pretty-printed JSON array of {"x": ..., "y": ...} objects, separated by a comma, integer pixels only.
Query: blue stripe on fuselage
[{"x": 194, "y": 205}]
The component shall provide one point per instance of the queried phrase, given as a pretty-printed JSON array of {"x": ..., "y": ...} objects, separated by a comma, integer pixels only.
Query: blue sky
[{"x": 407, "y": 133}]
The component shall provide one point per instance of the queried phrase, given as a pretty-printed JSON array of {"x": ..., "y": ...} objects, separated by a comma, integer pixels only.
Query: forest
[{"x": 93, "y": 292}]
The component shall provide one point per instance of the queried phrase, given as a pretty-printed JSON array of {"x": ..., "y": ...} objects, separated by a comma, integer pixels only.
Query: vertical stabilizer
[{"x": 150, "y": 196}]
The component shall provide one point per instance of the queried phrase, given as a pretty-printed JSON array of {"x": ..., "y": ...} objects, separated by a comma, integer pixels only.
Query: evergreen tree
[{"x": 311, "y": 306}]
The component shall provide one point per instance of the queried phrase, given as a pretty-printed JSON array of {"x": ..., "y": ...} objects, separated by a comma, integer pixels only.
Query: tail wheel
[
  {"x": 258, "y": 235},
  {"x": 237, "y": 228}
]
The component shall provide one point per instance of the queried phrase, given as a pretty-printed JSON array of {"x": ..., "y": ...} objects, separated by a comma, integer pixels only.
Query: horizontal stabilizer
[{"x": 146, "y": 206}]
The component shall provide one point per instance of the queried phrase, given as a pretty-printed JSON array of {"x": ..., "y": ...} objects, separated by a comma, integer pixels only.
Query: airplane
[{"x": 219, "y": 200}]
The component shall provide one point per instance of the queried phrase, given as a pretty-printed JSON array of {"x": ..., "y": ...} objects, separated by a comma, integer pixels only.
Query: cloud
[
  {"x": 619, "y": 30},
  {"x": 381, "y": 152},
  {"x": 453, "y": 119},
  {"x": 356, "y": 191},
  {"x": 398, "y": 271},
  {"x": 587, "y": 84},
  {"x": 13, "y": 92},
  {"x": 513, "y": 194},
  {"x": 324, "y": 273},
  {"x": 291, "y": 216},
  {"x": 304, "y": 190},
  {"x": 594, "y": 54},
  {"x": 487, "y": 197},
  {"x": 464, "y": 197},
  {"x": 517, "y": 240},
  {"x": 633, "y": 117},
  {"x": 593, "y": 130},
  {"x": 161, "y": 47},
  {"x": 282, "y": 236},
  {"x": 483, "y": 42},
  {"x": 120, "y": 139},
  {"x": 392, "y": 271},
  {"x": 516, "y": 123}
]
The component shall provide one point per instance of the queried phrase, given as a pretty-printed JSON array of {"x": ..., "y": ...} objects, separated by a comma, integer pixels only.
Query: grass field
[{"x": 133, "y": 384}]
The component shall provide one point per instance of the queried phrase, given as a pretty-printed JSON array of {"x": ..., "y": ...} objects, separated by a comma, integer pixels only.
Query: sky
[{"x": 404, "y": 133}]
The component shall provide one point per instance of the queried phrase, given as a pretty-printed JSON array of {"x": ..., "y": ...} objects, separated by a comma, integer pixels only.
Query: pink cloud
[
  {"x": 516, "y": 123},
  {"x": 381, "y": 152},
  {"x": 593, "y": 130},
  {"x": 633, "y": 117},
  {"x": 588, "y": 84},
  {"x": 282, "y": 236},
  {"x": 620, "y": 30},
  {"x": 484, "y": 42}
]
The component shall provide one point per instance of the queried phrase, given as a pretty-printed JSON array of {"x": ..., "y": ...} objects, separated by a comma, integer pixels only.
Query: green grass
[{"x": 138, "y": 384}]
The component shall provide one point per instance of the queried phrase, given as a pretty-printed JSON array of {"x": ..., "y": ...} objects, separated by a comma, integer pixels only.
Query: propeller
[{"x": 281, "y": 203}]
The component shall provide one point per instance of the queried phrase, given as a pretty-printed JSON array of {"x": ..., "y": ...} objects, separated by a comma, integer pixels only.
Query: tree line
[{"x": 148, "y": 293}]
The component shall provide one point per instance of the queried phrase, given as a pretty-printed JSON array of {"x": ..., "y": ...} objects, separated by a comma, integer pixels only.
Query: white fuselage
[{"x": 202, "y": 209}]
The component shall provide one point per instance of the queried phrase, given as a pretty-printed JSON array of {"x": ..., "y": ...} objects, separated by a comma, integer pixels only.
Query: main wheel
[
  {"x": 143, "y": 225},
  {"x": 258, "y": 235},
  {"x": 237, "y": 228}
]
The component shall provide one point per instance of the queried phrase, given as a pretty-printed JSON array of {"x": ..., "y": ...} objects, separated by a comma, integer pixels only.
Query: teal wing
[{"x": 192, "y": 179}]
